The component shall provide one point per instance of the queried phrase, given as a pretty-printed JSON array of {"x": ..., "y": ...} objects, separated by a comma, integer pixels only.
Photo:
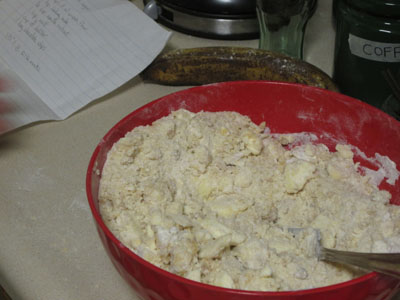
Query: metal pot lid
[
  {"x": 218, "y": 7},
  {"x": 200, "y": 18}
]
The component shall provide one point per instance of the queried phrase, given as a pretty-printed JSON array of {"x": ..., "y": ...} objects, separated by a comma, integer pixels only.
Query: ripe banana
[{"x": 197, "y": 66}]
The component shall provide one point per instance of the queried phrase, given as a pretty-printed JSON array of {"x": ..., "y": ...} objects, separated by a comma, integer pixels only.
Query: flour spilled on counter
[
  {"x": 35, "y": 180},
  {"x": 79, "y": 202}
]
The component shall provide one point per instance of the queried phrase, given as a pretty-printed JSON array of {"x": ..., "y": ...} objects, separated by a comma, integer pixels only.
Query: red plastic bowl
[{"x": 286, "y": 108}]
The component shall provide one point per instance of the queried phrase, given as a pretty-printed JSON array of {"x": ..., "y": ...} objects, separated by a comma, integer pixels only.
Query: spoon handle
[{"x": 387, "y": 263}]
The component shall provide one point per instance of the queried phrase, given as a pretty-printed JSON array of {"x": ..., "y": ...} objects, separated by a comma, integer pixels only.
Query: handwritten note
[{"x": 70, "y": 52}]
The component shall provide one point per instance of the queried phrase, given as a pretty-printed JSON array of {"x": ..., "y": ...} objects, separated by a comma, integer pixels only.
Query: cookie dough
[{"x": 211, "y": 196}]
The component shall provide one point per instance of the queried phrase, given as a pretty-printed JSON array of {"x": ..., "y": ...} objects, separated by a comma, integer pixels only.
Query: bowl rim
[{"x": 127, "y": 251}]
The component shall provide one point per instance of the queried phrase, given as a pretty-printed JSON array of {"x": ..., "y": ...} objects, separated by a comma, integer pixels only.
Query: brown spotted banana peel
[{"x": 198, "y": 66}]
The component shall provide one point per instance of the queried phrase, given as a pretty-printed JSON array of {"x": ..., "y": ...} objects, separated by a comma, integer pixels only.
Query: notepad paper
[{"x": 62, "y": 54}]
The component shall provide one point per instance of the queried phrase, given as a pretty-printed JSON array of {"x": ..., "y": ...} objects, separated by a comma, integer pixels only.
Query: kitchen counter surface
[{"x": 49, "y": 248}]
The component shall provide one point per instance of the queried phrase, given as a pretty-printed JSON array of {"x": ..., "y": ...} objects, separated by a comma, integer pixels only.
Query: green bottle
[
  {"x": 368, "y": 45},
  {"x": 282, "y": 24}
]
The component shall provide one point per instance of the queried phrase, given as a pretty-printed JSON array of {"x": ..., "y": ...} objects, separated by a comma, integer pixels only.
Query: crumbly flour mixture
[{"x": 210, "y": 197}]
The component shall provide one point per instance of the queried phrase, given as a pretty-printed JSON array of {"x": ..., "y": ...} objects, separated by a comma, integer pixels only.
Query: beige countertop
[{"x": 49, "y": 248}]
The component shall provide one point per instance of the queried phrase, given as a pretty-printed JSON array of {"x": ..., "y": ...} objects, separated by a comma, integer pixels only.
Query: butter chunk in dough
[{"x": 297, "y": 174}]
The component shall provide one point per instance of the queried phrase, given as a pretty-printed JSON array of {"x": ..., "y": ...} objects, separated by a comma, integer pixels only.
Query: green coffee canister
[{"x": 368, "y": 44}]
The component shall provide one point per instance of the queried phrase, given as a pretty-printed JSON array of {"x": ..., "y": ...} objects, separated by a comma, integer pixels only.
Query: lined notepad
[{"x": 62, "y": 54}]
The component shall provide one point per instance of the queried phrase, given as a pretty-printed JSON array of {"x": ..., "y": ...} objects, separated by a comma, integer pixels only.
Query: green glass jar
[{"x": 367, "y": 45}]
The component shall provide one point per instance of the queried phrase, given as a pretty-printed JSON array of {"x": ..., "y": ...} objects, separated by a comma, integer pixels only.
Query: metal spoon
[{"x": 387, "y": 263}]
